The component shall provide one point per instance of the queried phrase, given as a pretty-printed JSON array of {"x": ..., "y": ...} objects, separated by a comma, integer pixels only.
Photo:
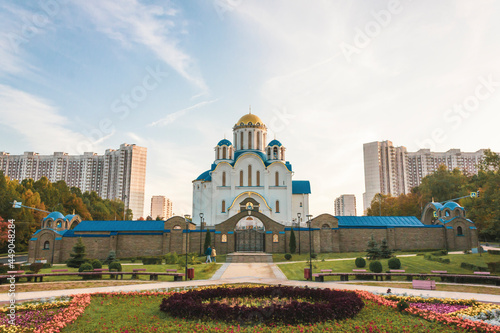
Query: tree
[
  {"x": 78, "y": 255},
  {"x": 208, "y": 241},
  {"x": 373, "y": 251},
  {"x": 4, "y": 233},
  {"x": 149, "y": 218},
  {"x": 158, "y": 218},
  {"x": 385, "y": 252},
  {"x": 293, "y": 242},
  {"x": 111, "y": 257}
]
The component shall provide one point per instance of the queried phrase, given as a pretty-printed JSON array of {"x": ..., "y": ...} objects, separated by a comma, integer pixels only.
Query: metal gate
[{"x": 250, "y": 240}]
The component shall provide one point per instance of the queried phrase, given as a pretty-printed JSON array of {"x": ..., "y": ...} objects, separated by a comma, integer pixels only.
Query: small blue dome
[
  {"x": 224, "y": 142},
  {"x": 274, "y": 143},
  {"x": 205, "y": 176},
  {"x": 452, "y": 205},
  {"x": 54, "y": 216},
  {"x": 69, "y": 217}
]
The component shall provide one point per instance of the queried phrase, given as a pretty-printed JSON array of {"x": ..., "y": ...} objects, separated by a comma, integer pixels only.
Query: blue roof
[
  {"x": 452, "y": 205},
  {"x": 301, "y": 187},
  {"x": 69, "y": 217},
  {"x": 274, "y": 143},
  {"x": 205, "y": 176},
  {"x": 224, "y": 142},
  {"x": 54, "y": 216},
  {"x": 60, "y": 232},
  {"x": 379, "y": 221},
  {"x": 120, "y": 226}
]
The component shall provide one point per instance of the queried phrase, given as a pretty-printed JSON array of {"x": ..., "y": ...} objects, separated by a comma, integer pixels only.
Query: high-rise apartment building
[
  {"x": 161, "y": 206},
  {"x": 385, "y": 170},
  {"x": 118, "y": 174},
  {"x": 393, "y": 170},
  {"x": 345, "y": 205}
]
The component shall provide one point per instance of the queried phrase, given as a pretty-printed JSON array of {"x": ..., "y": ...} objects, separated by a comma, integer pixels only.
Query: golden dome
[{"x": 249, "y": 118}]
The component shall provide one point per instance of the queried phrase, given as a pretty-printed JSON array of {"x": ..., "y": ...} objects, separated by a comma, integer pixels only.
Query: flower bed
[{"x": 316, "y": 305}]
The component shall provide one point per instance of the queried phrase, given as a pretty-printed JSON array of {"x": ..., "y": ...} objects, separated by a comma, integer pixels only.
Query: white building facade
[{"x": 249, "y": 169}]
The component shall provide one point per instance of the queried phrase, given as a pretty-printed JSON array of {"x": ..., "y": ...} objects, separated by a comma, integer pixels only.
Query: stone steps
[{"x": 249, "y": 257}]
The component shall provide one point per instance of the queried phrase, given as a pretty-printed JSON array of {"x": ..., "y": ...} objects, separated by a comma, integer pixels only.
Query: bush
[
  {"x": 47, "y": 265},
  {"x": 151, "y": 261},
  {"x": 376, "y": 266},
  {"x": 111, "y": 257},
  {"x": 115, "y": 265},
  {"x": 394, "y": 263},
  {"x": 36, "y": 267},
  {"x": 314, "y": 255},
  {"x": 171, "y": 258},
  {"x": 132, "y": 260},
  {"x": 3, "y": 269},
  {"x": 86, "y": 267},
  {"x": 440, "y": 253},
  {"x": 78, "y": 255},
  {"x": 438, "y": 259},
  {"x": 402, "y": 305},
  {"x": 473, "y": 267},
  {"x": 96, "y": 263},
  {"x": 288, "y": 256},
  {"x": 360, "y": 262}
]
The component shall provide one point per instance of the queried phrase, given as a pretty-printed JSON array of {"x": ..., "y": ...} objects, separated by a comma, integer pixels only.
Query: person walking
[
  {"x": 213, "y": 255},
  {"x": 208, "y": 253}
]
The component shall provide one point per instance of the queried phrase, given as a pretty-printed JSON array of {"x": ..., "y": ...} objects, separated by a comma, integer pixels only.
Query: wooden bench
[
  {"x": 15, "y": 272},
  {"x": 171, "y": 270},
  {"x": 439, "y": 272},
  {"x": 58, "y": 270},
  {"x": 359, "y": 270},
  {"x": 136, "y": 270},
  {"x": 424, "y": 284},
  {"x": 101, "y": 269},
  {"x": 482, "y": 273},
  {"x": 326, "y": 271},
  {"x": 397, "y": 270}
]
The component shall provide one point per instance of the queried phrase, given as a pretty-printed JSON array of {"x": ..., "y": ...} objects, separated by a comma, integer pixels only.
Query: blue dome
[
  {"x": 224, "y": 142},
  {"x": 54, "y": 216},
  {"x": 274, "y": 143},
  {"x": 69, "y": 217},
  {"x": 452, "y": 205},
  {"x": 205, "y": 176}
]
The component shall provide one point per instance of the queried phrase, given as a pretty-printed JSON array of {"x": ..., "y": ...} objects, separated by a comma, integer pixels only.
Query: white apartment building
[
  {"x": 118, "y": 174},
  {"x": 161, "y": 206},
  {"x": 393, "y": 170},
  {"x": 345, "y": 205}
]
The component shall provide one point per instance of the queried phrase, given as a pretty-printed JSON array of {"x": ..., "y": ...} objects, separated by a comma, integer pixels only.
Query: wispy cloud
[
  {"x": 177, "y": 114},
  {"x": 155, "y": 27},
  {"x": 37, "y": 120}
]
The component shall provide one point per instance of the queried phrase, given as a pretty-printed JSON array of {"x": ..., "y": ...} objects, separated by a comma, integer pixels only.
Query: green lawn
[
  {"x": 280, "y": 257},
  {"x": 201, "y": 271},
  {"x": 139, "y": 313},
  {"x": 415, "y": 264}
]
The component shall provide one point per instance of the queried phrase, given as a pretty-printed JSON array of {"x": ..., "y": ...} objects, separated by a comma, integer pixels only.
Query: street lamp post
[
  {"x": 309, "y": 222},
  {"x": 186, "y": 217},
  {"x": 298, "y": 220},
  {"x": 201, "y": 231}
]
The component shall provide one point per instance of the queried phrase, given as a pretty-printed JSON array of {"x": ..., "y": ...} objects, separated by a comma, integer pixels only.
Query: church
[
  {"x": 250, "y": 173},
  {"x": 248, "y": 202}
]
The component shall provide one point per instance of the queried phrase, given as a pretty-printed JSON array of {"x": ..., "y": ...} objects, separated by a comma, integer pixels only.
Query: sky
[{"x": 175, "y": 76}]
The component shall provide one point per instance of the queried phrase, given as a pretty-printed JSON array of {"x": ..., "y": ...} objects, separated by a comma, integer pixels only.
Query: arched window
[
  {"x": 325, "y": 227},
  {"x": 282, "y": 153},
  {"x": 224, "y": 178},
  {"x": 66, "y": 225},
  {"x": 177, "y": 227},
  {"x": 250, "y": 146},
  {"x": 275, "y": 153},
  {"x": 230, "y": 154},
  {"x": 241, "y": 140},
  {"x": 59, "y": 224},
  {"x": 258, "y": 140},
  {"x": 46, "y": 245},
  {"x": 218, "y": 153},
  {"x": 249, "y": 175},
  {"x": 224, "y": 152},
  {"x": 268, "y": 153},
  {"x": 223, "y": 206},
  {"x": 241, "y": 178},
  {"x": 258, "y": 178},
  {"x": 277, "y": 179},
  {"x": 460, "y": 231},
  {"x": 277, "y": 206},
  {"x": 301, "y": 204}
]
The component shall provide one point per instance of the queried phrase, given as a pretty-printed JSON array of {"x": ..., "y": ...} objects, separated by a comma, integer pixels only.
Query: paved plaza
[{"x": 263, "y": 273}]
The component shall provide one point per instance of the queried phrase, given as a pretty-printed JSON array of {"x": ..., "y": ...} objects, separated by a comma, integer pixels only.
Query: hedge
[
  {"x": 473, "y": 267},
  {"x": 151, "y": 261}
]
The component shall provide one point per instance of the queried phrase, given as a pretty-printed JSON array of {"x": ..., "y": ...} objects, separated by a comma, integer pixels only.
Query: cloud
[
  {"x": 38, "y": 121},
  {"x": 176, "y": 115},
  {"x": 131, "y": 23}
]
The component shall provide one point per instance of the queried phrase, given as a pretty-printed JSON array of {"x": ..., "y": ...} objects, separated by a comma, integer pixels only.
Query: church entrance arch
[{"x": 250, "y": 235}]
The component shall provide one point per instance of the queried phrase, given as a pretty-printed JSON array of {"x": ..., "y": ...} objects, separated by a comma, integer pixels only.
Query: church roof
[
  {"x": 224, "y": 142},
  {"x": 205, "y": 176},
  {"x": 120, "y": 226},
  {"x": 379, "y": 221},
  {"x": 54, "y": 216},
  {"x": 249, "y": 119},
  {"x": 274, "y": 143},
  {"x": 301, "y": 187}
]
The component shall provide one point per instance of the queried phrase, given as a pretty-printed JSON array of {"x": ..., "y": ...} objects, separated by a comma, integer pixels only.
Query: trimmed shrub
[
  {"x": 115, "y": 265},
  {"x": 78, "y": 255},
  {"x": 402, "y": 305},
  {"x": 288, "y": 256},
  {"x": 293, "y": 242},
  {"x": 473, "y": 267},
  {"x": 440, "y": 253},
  {"x": 151, "y": 261},
  {"x": 438, "y": 259},
  {"x": 496, "y": 252},
  {"x": 36, "y": 267},
  {"x": 360, "y": 262},
  {"x": 86, "y": 267},
  {"x": 111, "y": 257},
  {"x": 47, "y": 265},
  {"x": 96, "y": 263},
  {"x": 3, "y": 269},
  {"x": 394, "y": 263},
  {"x": 314, "y": 255},
  {"x": 376, "y": 266},
  {"x": 171, "y": 258}
]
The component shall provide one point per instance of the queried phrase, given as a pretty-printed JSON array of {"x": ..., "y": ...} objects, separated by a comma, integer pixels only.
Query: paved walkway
[{"x": 249, "y": 273}]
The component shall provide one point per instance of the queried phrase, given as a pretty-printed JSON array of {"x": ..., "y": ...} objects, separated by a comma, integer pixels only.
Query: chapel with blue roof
[{"x": 248, "y": 201}]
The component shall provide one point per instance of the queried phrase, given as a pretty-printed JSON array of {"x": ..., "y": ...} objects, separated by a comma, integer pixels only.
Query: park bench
[
  {"x": 58, "y": 270},
  {"x": 359, "y": 270},
  {"x": 326, "y": 271},
  {"x": 177, "y": 276},
  {"x": 482, "y": 273},
  {"x": 397, "y": 270},
  {"x": 424, "y": 284},
  {"x": 136, "y": 270},
  {"x": 439, "y": 272},
  {"x": 15, "y": 272},
  {"x": 101, "y": 269}
]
